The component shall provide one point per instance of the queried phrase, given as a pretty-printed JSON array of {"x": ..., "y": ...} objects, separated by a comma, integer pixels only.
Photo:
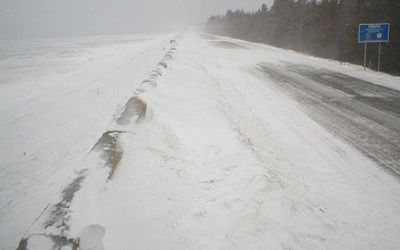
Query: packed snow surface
[{"x": 190, "y": 142}]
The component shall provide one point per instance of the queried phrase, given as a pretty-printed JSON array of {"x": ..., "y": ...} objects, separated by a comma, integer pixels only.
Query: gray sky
[{"x": 51, "y": 18}]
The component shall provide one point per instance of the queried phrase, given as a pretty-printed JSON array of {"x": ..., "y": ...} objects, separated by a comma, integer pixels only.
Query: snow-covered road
[
  {"x": 226, "y": 144},
  {"x": 365, "y": 114}
]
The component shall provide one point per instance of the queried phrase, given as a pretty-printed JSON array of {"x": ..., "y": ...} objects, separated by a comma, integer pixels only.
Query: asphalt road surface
[{"x": 365, "y": 114}]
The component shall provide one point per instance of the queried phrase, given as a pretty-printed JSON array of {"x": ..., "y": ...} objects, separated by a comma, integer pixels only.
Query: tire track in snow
[{"x": 362, "y": 113}]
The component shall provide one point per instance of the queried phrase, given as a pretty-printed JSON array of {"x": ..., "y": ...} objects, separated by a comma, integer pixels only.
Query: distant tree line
[{"x": 325, "y": 28}]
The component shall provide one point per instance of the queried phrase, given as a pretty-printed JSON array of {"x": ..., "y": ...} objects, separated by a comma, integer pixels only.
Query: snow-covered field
[
  {"x": 182, "y": 145},
  {"x": 57, "y": 97}
]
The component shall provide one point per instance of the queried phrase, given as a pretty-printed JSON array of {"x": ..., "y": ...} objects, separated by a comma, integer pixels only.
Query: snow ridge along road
[
  {"x": 56, "y": 224},
  {"x": 229, "y": 144},
  {"x": 57, "y": 97}
]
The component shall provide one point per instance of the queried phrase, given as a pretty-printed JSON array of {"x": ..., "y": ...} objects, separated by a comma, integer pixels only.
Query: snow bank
[
  {"x": 58, "y": 97},
  {"x": 206, "y": 154},
  {"x": 228, "y": 162}
]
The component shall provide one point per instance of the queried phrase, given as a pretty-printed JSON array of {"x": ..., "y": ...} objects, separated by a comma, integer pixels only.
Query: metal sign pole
[
  {"x": 373, "y": 33},
  {"x": 379, "y": 57},
  {"x": 365, "y": 55}
]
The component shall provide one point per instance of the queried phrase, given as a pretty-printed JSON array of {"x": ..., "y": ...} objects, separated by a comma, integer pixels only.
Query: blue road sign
[{"x": 374, "y": 33}]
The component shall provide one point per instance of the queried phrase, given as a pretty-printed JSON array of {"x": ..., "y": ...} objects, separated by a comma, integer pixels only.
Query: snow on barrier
[
  {"x": 135, "y": 107},
  {"x": 158, "y": 71},
  {"x": 91, "y": 238},
  {"x": 111, "y": 151},
  {"x": 55, "y": 228}
]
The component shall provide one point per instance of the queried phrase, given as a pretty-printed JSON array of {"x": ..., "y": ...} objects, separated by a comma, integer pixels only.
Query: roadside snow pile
[
  {"x": 107, "y": 152},
  {"x": 222, "y": 160},
  {"x": 208, "y": 154},
  {"x": 91, "y": 238},
  {"x": 58, "y": 96}
]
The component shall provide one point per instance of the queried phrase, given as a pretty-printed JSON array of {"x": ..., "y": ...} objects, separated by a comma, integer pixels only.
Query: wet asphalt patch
[
  {"x": 365, "y": 114},
  {"x": 375, "y": 95}
]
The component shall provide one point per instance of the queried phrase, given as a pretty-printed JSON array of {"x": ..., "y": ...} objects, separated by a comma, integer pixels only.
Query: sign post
[
  {"x": 365, "y": 55},
  {"x": 373, "y": 33},
  {"x": 379, "y": 57}
]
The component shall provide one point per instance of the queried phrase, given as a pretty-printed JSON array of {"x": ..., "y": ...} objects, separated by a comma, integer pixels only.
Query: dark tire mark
[
  {"x": 360, "y": 112},
  {"x": 381, "y": 97},
  {"x": 226, "y": 45}
]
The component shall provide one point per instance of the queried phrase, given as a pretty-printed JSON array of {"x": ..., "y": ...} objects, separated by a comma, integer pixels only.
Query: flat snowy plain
[{"x": 193, "y": 141}]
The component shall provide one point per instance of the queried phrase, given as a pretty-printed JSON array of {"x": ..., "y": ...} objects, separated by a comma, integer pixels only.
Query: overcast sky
[{"x": 52, "y": 18}]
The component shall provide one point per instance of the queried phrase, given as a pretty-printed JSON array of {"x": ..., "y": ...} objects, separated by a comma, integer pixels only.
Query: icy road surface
[{"x": 207, "y": 143}]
